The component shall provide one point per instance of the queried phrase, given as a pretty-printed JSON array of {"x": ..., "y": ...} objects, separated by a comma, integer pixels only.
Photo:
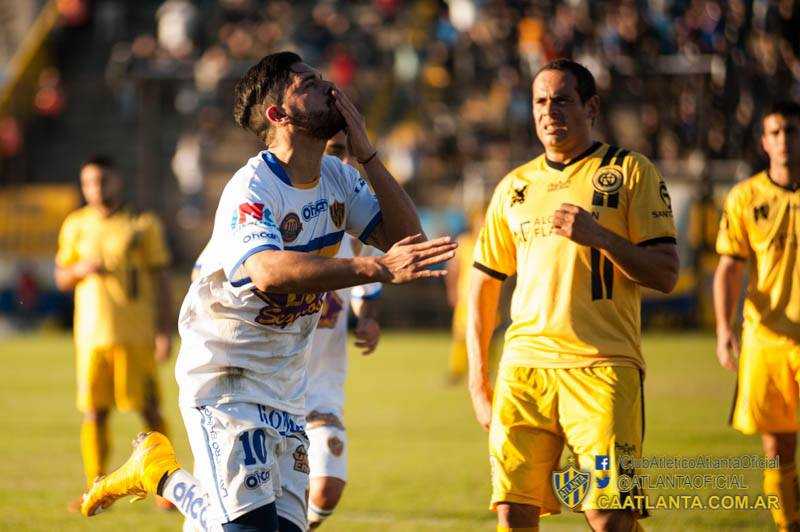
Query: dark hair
[
  {"x": 585, "y": 80},
  {"x": 261, "y": 86},
  {"x": 103, "y": 161},
  {"x": 786, "y": 108}
]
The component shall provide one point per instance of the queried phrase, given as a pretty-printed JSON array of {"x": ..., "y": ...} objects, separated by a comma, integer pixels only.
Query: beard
[{"x": 321, "y": 124}]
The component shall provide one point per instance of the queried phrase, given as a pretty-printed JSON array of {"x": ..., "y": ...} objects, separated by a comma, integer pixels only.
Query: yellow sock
[
  {"x": 501, "y": 528},
  {"x": 94, "y": 448},
  {"x": 782, "y": 482}
]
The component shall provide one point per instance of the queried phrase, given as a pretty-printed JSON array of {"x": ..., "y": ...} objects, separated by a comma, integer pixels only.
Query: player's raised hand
[
  {"x": 409, "y": 259},
  {"x": 358, "y": 144},
  {"x": 577, "y": 224},
  {"x": 368, "y": 333},
  {"x": 728, "y": 349}
]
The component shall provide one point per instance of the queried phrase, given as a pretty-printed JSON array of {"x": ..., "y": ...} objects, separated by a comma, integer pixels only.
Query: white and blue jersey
[{"x": 239, "y": 344}]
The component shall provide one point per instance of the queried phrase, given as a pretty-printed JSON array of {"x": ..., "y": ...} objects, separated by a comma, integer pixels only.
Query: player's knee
[
  {"x": 326, "y": 493},
  {"x": 610, "y": 521},
  {"x": 262, "y": 519},
  {"x": 512, "y": 514}
]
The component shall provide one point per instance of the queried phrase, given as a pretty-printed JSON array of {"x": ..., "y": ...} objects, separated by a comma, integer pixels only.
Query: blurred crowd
[{"x": 447, "y": 84}]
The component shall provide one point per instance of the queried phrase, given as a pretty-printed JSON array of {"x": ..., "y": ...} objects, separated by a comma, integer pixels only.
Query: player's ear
[
  {"x": 275, "y": 114},
  {"x": 593, "y": 108}
]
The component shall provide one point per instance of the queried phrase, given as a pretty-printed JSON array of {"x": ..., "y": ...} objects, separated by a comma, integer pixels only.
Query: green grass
[{"x": 418, "y": 460}]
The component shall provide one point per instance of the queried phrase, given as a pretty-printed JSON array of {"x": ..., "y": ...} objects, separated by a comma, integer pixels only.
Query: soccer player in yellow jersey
[
  {"x": 583, "y": 226},
  {"x": 758, "y": 233},
  {"x": 114, "y": 259}
]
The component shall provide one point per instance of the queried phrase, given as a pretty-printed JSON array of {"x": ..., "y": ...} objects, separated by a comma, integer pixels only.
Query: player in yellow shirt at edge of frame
[{"x": 758, "y": 232}]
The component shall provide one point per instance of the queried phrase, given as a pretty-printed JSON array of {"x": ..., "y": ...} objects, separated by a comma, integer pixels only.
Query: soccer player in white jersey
[
  {"x": 327, "y": 370},
  {"x": 247, "y": 319}
]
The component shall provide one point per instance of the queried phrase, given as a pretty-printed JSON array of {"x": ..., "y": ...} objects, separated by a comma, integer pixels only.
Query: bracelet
[{"x": 368, "y": 159}]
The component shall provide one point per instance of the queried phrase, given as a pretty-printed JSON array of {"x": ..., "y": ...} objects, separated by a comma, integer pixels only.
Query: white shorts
[
  {"x": 327, "y": 454},
  {"x": 248, "y": 455}
]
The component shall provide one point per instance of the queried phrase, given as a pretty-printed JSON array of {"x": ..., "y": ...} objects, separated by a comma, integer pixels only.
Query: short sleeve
[
  {"x": 732, "y": 237},
  {"x": 245, "y": 226},
  {"x": 155, "y": 245},
  {"x": 67, "y": 253},
  {"x": 367, "y": 291},
  {"x": 650, "y": 218},
  {"x": 363, "y": 209},
  {"x": 495, "y": 251}
]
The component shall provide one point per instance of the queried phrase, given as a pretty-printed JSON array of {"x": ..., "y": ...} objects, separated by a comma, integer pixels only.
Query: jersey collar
[
  {"x": 560, "y": 166},
  {"x": 794, "y": 187},
  {"x": 277, "y": 168}
]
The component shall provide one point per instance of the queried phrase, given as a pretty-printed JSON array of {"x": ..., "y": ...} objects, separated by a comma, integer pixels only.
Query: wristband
[{"x": 368, "y": 159}]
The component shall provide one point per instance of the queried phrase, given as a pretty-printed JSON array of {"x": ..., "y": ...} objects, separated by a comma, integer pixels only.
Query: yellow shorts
[
  {"x": 767, "y": 391},
  {"x": 119, "y": 374},
  {"x": 597, "y": 412}
]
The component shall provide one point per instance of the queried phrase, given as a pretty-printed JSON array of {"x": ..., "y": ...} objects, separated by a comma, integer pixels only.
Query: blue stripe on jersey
[
  {"x": 371, "y": 226},
  {"x": 318, "y": 243},
  {"x": 250, "y": 253},
  {"x": 241, "y": 282},
  {"x": 276, "y": 167}
]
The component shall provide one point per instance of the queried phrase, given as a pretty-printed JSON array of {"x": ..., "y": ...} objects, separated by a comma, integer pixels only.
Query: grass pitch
[{"x": 417, "y": 459}]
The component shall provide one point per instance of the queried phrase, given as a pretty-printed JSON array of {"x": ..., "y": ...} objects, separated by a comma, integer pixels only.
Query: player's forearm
[
  {"x": 484, "y": 295},
  {"x": 653, "y": 266},
  {"x": 728, "y": 279},
  {"x": 296, "y": 272},
  {"x": 399, "y": 215}
]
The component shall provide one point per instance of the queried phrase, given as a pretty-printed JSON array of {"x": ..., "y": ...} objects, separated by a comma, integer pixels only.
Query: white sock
[
  {"x": 191, "y": 499},
  {"x": 317, "y": 515}
]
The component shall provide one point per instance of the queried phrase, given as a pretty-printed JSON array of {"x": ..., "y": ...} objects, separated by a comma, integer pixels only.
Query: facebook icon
[{"x": 601, "y": 462}]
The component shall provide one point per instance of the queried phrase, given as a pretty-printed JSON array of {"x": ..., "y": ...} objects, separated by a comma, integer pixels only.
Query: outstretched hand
[{"x": 410, "y": 257}]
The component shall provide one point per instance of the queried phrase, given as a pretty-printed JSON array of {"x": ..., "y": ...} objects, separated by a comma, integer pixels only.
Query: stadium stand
[{"x": 444, "y": 85}]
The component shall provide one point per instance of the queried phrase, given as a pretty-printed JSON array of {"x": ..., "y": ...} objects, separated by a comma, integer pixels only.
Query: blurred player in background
[
  {"x": 248, "y": 318},
  {"x": 115, "y": 260},
  {"x": 457, "y": 284},
  {"x": 327, "y": 370},
  {"x": 759, "y": 232},
  {"x": 583, "y": 226}
]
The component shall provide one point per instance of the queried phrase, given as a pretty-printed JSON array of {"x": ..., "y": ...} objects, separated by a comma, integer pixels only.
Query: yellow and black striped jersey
[
  {"x": 760, "y": 224},
  {"x": 571, "y": 307}
]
